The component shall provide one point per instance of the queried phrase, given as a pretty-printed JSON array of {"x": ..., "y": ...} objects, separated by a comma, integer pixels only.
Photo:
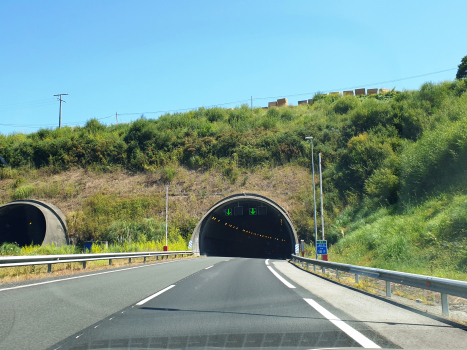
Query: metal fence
[
  {"x": 15, "y": 261},
  {"x": 444, "y": 286}
]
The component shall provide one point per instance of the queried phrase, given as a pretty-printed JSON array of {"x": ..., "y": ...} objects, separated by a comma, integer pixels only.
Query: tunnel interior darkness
[
  {"x": 246, "y": 228},
  {"x": 22, "y": 224}
]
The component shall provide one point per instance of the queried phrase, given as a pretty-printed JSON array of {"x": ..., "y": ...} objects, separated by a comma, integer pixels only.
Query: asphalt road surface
[{"x": 196, "y": 303}]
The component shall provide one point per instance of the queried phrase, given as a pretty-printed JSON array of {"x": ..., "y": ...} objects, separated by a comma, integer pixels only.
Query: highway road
[{"x": 197, "y": 303}]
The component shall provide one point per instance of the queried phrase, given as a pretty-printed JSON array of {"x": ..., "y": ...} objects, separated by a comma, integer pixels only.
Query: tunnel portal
[
  {"x": 245, "y": 225},
  {"x": 27, "y": 222}
]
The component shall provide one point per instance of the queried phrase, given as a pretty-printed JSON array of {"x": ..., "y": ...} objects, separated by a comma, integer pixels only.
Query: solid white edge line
[
  {"x": 280, "y": 278},
  {"x": 351, "y": 332},
  {"x": 207, "y": 268},
  {"x": 267, "y": 261},
  {"x": 90, "y": 275},
  {"x": 155, "y": 295}
]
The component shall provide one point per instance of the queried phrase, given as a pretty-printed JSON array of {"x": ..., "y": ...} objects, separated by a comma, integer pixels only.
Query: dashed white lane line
[
  {"x": 267, "y": 261},
  {"x": 155, "y": 295},
  {"x": 90, "y": 275},
  {"x": 207, "y": 268},
  {"x": 351, "y": 332},
  {"x": 280, "y": 278}
]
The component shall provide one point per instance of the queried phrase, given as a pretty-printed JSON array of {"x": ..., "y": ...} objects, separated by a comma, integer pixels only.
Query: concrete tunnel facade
[
  {"x": 27, "y": 222},
  {"x": 245, "y": 225}
]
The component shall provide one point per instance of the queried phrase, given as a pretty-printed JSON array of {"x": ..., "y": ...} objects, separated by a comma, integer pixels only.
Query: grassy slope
[{"x": 394, "y": 173}]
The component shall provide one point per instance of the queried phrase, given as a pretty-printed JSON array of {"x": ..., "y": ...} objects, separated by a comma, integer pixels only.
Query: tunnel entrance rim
[{"x": 244, "y": 195}]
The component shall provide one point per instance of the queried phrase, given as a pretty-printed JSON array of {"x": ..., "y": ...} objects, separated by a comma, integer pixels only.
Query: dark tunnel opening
[
  {"x": 246, "y": 228},
  {"x": 22, "y": 224}
]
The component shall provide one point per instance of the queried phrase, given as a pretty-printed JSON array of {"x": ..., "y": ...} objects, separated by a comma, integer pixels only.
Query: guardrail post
[
  {"x": 110, "y": 262},
  {"x": 356, "y": 278},
  {"x": 129, "y": 260},
  {"x": 307, "y": 265},
  {"x": 314, "y": 267},
  {"x": 445, "y": 304},
  {"x": 323, "y": 270},
  {"x": 388, "y": 289},
  {"x": 144, "y": 260},
  {"x": 49, "y": 268},
  {"x": 84, "y": 265},
  {"x": 337, "y": 274}
]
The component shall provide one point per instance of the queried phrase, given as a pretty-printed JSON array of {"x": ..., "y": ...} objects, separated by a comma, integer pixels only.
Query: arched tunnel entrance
[
  {"x": 27, "y": 222},
  {"x": 245, "y": 225}
]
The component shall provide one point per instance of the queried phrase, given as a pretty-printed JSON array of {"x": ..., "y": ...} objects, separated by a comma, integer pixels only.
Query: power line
[
  {"x": 216, "y": 105},
  {"x": 357, "y": 86}
]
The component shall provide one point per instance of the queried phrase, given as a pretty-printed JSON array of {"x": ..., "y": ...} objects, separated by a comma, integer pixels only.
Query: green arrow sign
[
  {"x": 253, "y": 211},
  {"x": 228, "y": 212}
]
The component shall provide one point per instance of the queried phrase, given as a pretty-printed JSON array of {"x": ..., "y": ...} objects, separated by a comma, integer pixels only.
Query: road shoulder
[{"x": 403, "y": 327}]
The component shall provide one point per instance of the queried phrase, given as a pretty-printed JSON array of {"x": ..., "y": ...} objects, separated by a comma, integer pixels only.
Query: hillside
[{"x": 394, "y": 170}]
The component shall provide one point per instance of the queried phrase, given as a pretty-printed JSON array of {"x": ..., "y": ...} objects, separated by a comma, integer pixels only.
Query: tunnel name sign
[{"x": 321, "y": 247}]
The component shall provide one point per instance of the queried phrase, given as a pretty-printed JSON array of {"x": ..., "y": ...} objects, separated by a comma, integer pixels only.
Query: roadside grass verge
[{"x": 26, "y": 273}]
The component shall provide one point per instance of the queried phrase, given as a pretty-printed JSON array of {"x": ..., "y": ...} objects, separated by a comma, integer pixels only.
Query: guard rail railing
[
  {"x": 444, "y": 286},
  {"x": 14, "y": 261}
]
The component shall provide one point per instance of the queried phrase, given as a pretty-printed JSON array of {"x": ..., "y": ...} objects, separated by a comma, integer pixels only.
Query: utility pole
[
  {"x": 60, "y": 112},
  {"x": 252, "y": 103},
  {"x": 314, "y": 197},
  {"x": 325, "y": 256},
  {"x": 116, "y": 116},
  {"x": 166, "y": 248}
]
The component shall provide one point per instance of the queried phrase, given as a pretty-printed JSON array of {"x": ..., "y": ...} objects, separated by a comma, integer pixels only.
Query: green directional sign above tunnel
[
  {"x": 253, "y": 211},
  {"x": 228, "y": 212}
]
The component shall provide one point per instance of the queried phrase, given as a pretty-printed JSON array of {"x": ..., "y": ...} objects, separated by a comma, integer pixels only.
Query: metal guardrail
[
  {"x": 15, "y": 261},
  {"x": 444, "y": 286}
]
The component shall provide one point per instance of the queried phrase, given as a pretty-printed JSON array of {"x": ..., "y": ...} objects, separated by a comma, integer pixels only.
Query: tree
[{"x": 462, "y": 71}]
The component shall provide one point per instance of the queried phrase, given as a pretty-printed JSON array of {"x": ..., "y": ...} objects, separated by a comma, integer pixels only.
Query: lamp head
[{"x": 309, "y": 138}]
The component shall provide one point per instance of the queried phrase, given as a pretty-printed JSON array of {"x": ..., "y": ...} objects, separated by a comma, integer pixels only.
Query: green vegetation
[{"x": 394, "y": 170}]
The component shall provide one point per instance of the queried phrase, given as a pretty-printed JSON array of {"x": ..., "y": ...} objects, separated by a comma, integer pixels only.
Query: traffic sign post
[
  {"x": 302, "y": 245},
  {"x": 322, "y": 247}
]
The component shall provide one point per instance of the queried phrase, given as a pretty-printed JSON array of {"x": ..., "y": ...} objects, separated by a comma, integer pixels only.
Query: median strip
[
  {"x": 155, "y": 295},
  {"x": 351, "y": 332},
  {"x": 282, "y": 279}
]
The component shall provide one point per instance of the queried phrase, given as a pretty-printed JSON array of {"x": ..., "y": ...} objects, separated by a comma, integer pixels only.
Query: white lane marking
[
  {"x": 90, "y": 275},
  {"x": 79, "y": 335},
  {"x": 155, "y": 295},
  {"x": 207, "y": 268},
  {"x": 267, "y": 261},
  {"x": 280, "y": 278},
  {"x": 351, "y": 332},
  {"x": 96, "y": 326}
]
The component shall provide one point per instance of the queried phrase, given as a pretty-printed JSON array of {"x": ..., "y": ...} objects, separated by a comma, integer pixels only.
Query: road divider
[
  {"x": 155, "y": 295},
  {"x": 280, "y": 278},
  {"x": 351, "y": 332}
]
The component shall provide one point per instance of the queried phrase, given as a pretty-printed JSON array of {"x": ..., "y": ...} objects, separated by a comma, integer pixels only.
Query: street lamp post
[{"x": 314, "y": 197}]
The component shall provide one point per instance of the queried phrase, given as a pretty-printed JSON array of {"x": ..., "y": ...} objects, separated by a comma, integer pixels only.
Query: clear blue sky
[{"x": 148, "y": 56}]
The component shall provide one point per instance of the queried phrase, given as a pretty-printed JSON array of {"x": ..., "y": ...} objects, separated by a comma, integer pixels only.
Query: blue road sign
[{"x": 321, "y": 247}]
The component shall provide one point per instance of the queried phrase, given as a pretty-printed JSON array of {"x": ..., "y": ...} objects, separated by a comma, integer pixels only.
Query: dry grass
[{"x": 192, "y": 191}]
